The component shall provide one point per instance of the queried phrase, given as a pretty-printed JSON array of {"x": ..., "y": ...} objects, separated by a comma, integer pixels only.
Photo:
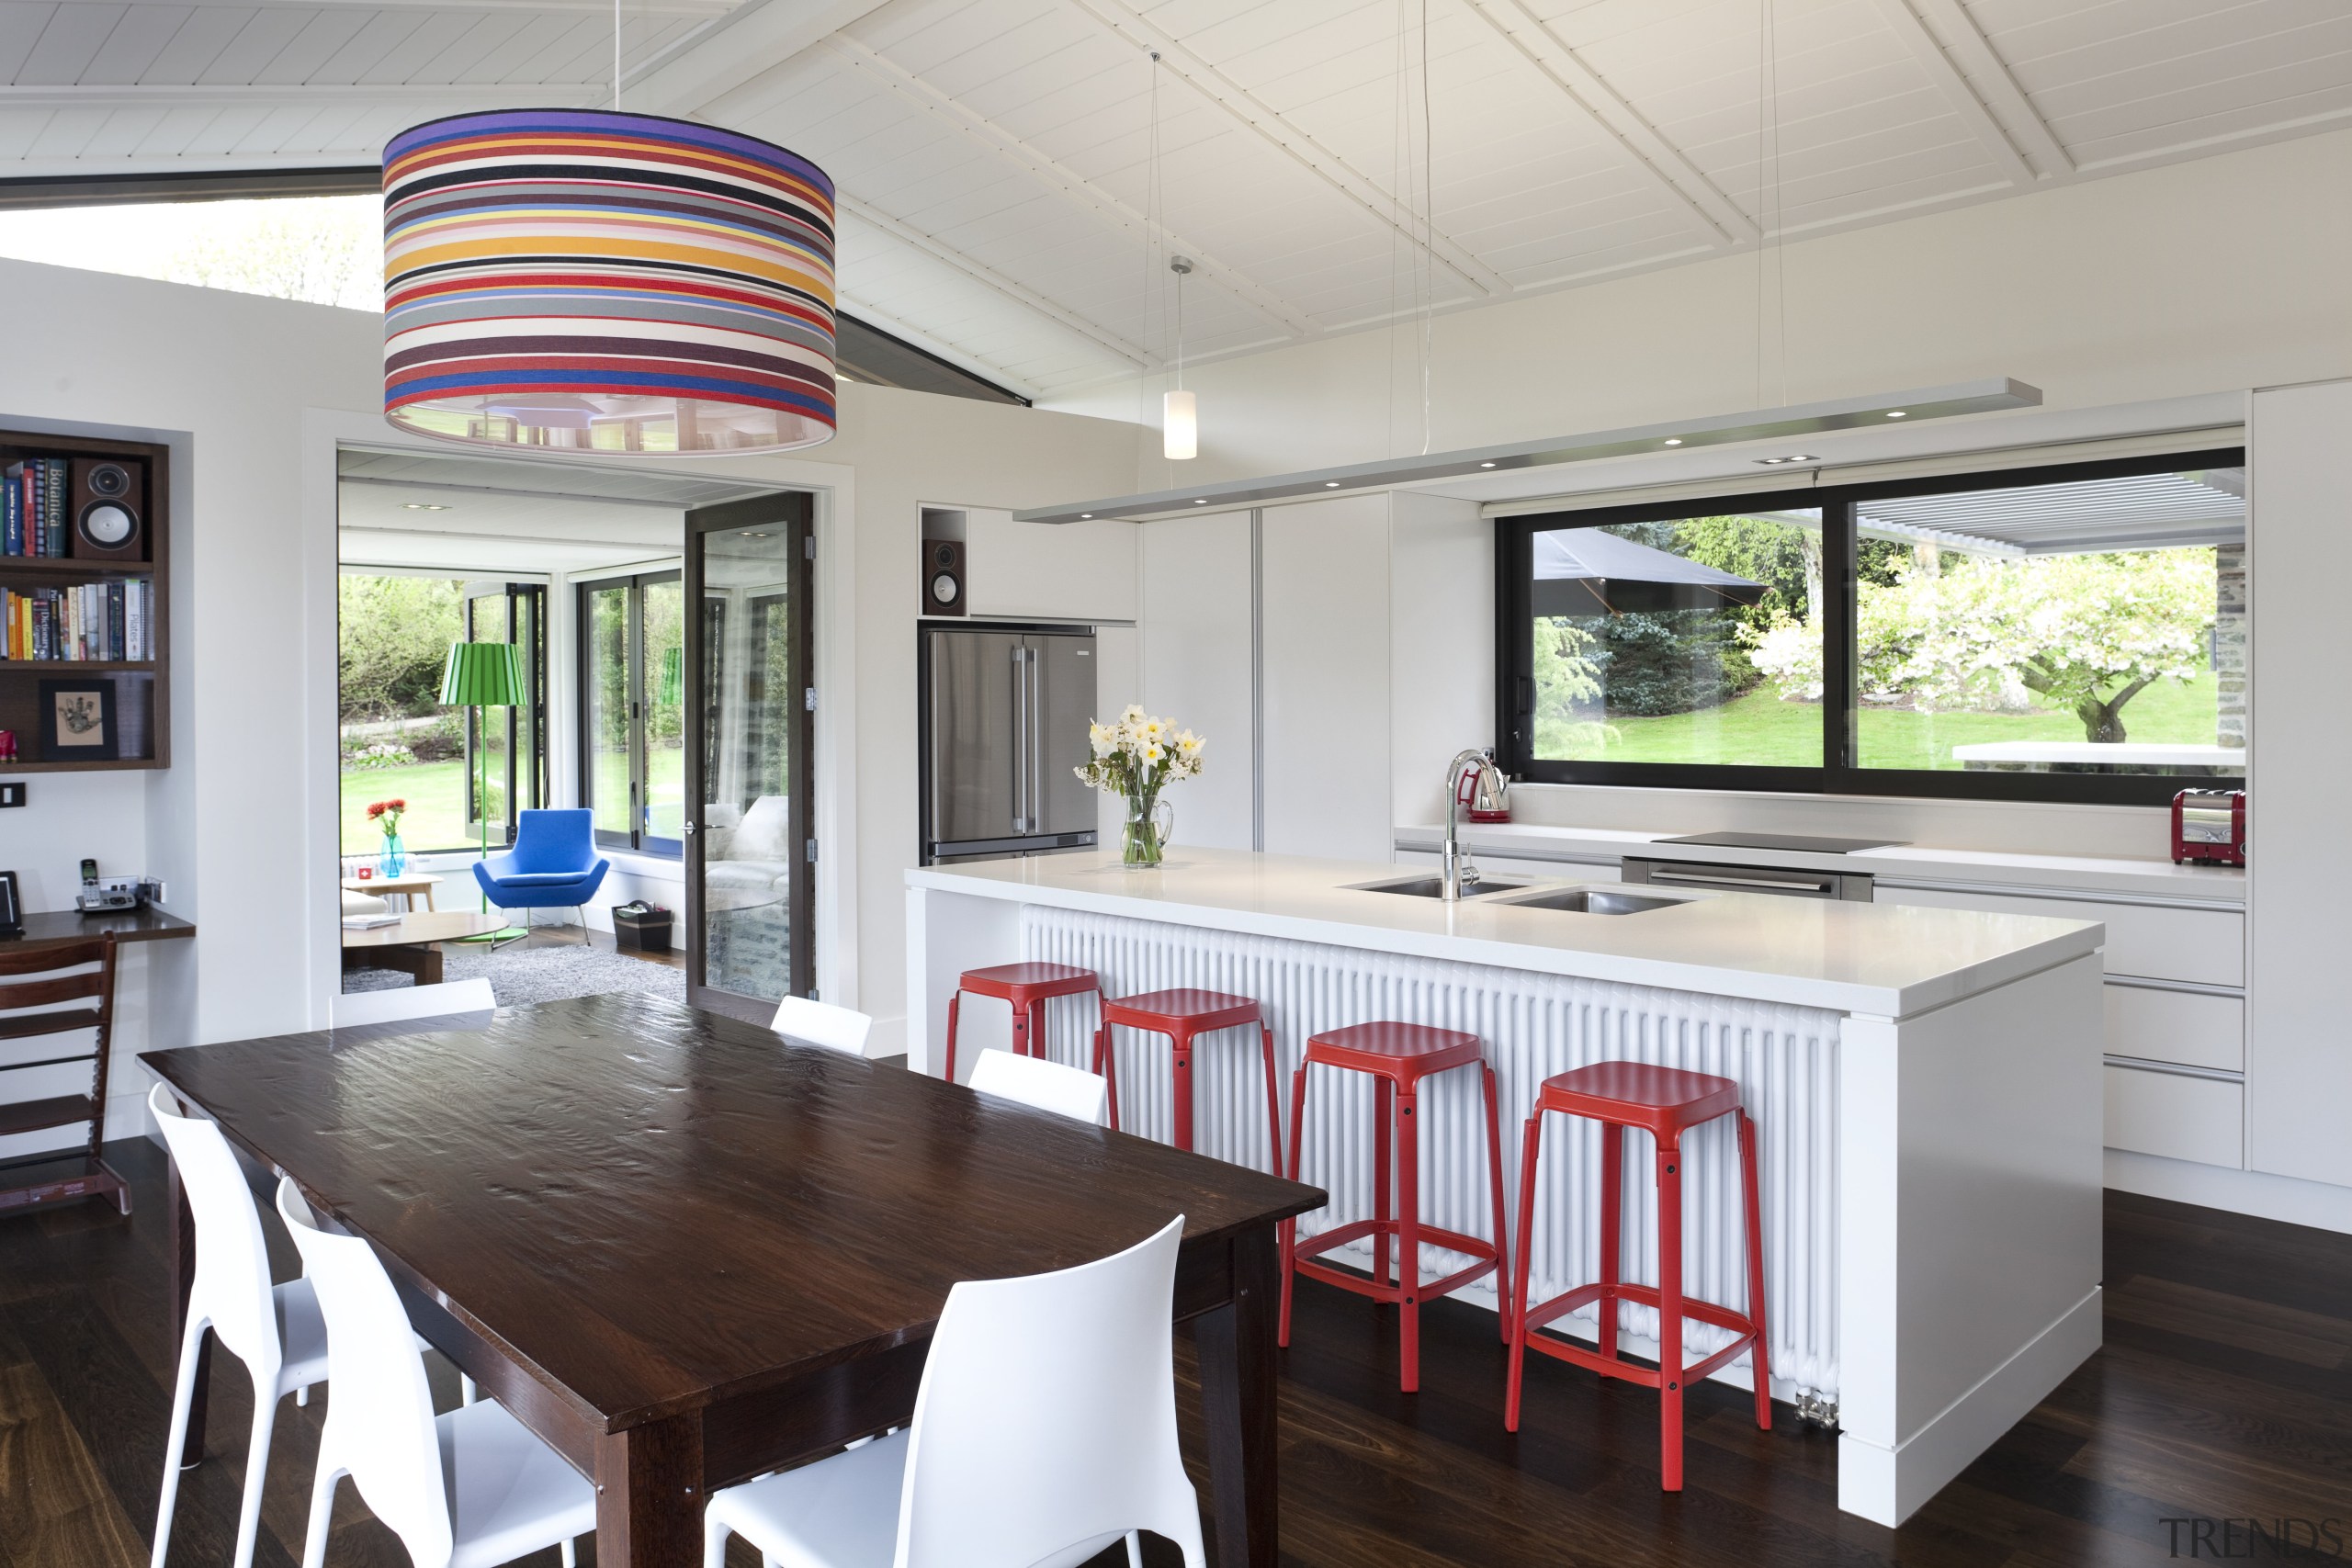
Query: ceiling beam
[
  {"x": 1907, "y": 27},
  {"x": 1065, "y": 183},
  {"x": 939, "y": 349},
  {"x": 747, "y": 42},
  {"x": 906, "y": 233},
  {"x": 1255, "y": 116},
  {"x": 1655, "y": 156},
  {"x": 1990, "y": 75}
]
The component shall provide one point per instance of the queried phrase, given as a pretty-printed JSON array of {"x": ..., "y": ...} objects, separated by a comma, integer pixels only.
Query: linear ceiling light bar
[{"x": 1720, "y": 430}]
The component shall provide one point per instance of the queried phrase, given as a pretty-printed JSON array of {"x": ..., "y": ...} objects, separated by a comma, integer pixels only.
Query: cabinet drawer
[
  {"x": 2177, "y": 1026},
  {"x": 2179, "y": 1118},
  {"x": 2205, "y": 946}
]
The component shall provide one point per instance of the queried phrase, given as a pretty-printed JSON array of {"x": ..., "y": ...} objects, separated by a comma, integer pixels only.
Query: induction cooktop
[{"x": 1798, "y": 842}]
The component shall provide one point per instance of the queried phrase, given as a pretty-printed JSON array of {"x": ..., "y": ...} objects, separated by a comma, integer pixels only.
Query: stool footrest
[
  {"x": 1615, "y": 1366},
  {"x": 1308, "y": 1263},
  {"x": 1642, "y": 1295}
]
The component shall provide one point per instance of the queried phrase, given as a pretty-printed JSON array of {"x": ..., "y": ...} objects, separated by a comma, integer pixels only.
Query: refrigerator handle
[
  {"x": 1020, "y": 745},
  {"x": 1036, "y": 743}
]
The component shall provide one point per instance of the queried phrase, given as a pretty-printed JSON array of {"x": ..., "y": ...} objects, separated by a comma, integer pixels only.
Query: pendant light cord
[{"x": 616, "y": 56}]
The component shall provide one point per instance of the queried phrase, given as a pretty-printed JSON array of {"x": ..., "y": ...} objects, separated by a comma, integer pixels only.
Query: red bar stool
[
  {"x": 1028, "y": 986},
  {"x": 1665, "y": 1101},
  {"x": 1182, "y": 1014},
  {"x": 1398, "y": 1055}
]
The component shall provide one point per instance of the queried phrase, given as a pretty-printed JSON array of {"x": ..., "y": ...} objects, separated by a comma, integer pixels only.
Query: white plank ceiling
[{"x": 993, "y": 155}]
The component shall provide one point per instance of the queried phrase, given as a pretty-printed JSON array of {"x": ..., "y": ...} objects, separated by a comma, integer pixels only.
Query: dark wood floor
[{"x": 2224, "y": 1394}]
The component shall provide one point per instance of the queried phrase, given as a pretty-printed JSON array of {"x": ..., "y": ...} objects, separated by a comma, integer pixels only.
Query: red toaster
[{"x": 2208, "y": 827}]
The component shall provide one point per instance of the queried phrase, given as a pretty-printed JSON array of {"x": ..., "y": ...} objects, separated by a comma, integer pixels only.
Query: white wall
[
  {"x": 2223, "y": 273},
  {"x": 1324, "y": 571},
  {"x": 258, "y": 392}
]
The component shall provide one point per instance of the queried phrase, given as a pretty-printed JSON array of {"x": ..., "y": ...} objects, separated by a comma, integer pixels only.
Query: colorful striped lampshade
[{"x": 584, "y": 280}]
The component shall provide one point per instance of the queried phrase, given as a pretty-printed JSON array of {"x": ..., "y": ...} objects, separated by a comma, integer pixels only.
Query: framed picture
[{"x": 77, "y": 722}]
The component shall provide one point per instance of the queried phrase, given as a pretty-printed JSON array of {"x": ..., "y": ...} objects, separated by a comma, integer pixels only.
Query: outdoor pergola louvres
[{"x": 591, "y": 281}]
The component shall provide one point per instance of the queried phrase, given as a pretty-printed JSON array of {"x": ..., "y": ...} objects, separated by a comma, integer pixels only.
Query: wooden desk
[
  {"x": 407, "y": 945},
  {"x": 685, "y": 1252},
  {"x": 55, "y": 928}
]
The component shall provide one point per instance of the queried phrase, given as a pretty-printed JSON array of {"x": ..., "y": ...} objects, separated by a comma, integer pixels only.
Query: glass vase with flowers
[{"x": 1135, "y": 757}]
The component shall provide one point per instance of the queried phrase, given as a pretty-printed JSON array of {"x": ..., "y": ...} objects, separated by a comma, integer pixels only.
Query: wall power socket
[{"x": 12, "y": 793}]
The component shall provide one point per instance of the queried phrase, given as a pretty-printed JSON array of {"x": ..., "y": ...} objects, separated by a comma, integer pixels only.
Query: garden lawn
[
  {"x": 1759, "y": 730},
  {"x": 436, "y": 810}
]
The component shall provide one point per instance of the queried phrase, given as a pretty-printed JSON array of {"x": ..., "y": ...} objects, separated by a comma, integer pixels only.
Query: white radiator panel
[{"x": 1784, "y": 1059}]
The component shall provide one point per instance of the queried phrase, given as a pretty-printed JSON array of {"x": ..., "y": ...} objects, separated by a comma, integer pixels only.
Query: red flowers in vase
[{"x": 386, "y": 814}]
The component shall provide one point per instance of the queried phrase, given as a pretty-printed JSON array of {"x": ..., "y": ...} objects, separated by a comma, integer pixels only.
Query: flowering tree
[{"x": 2086, "y": 633}]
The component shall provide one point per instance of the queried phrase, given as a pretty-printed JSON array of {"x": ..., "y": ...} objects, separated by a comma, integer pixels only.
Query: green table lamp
[{"x": 483, "y": 675}]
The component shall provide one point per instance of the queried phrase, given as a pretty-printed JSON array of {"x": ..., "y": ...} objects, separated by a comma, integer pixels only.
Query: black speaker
[
  {"x": 110, "y": 509},
  {"x": 943, "y": 577}
]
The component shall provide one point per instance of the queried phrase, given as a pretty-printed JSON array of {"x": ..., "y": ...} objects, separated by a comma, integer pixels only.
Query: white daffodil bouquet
[{"x": 1135, "y": 757}]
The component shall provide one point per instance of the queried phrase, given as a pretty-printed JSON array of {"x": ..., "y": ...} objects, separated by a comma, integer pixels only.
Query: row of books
[
  {"x": 32, "y": 508},
  {"x": 82, "y": 622}
]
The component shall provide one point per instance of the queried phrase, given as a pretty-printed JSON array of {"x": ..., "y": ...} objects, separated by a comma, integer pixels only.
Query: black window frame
[{"x": 1838, "y": 775}]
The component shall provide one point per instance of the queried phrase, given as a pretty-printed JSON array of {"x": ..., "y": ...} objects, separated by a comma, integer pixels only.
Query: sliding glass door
[
  {"x": 515, "y": 738},
  {"x": 751, "y": 855},
  {"x": 632, "y": 736}
]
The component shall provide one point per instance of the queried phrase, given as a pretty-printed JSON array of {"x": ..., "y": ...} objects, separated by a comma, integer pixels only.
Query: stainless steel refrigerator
[{"x": 1004, "y": 717}]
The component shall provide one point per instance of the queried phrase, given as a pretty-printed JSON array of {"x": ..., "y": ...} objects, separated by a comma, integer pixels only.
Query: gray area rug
[{"x": 539, "y": 974}]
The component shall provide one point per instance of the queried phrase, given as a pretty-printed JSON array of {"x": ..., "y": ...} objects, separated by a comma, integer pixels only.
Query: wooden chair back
[{"x": 73, "y": 972}]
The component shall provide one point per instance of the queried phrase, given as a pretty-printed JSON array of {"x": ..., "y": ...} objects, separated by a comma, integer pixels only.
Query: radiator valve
[{"x": 1819, "y": 1408}]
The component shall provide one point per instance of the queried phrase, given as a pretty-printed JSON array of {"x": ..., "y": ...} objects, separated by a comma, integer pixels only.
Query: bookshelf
[{"x": 141, "y": 687}]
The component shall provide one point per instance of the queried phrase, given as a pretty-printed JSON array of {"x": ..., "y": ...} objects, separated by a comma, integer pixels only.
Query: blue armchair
[{"x": 554, "y": 861}]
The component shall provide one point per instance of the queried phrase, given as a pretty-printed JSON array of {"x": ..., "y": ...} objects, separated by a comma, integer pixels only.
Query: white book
[{"x": 368, "y": 922}]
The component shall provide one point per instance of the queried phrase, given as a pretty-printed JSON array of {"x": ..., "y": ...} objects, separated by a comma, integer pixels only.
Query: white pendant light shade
[{"x": 1180, "y": 425}]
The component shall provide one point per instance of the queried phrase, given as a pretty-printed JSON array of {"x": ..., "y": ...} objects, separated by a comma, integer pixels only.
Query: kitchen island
[{"x": 1925, "y": 1083}]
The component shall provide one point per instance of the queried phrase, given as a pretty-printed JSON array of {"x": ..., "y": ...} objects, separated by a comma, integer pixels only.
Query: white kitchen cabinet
[
  {"x": 1070, "y": 572},
  {"x": 1323, "y": 572},
  {"x": 2299, "y": 1062},
  {"x": 2177, "y": 1116},
  {"x": 1196, "y": 666},
  {"x": 2155, "y": 942},
  {"x": 2189, "y": 1027}
]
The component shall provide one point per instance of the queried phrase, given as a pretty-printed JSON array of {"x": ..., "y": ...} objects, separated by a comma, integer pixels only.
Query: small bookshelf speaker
[
  {"x": 943, "y": 577},
  {"x": 110, "y": 509}
]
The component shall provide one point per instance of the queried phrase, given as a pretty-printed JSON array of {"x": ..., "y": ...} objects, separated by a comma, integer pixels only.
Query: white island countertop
[{"x": 1883, "y": 960}]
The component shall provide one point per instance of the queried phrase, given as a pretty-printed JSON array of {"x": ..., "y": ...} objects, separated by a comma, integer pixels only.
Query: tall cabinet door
[{"x": 748, "y": 815}]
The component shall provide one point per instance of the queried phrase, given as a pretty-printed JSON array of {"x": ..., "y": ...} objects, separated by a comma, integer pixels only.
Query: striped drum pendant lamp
[{"x": 590, "y": 281}]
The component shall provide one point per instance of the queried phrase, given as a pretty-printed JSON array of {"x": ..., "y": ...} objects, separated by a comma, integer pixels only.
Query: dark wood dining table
[{"x": 687, "y": 1252}]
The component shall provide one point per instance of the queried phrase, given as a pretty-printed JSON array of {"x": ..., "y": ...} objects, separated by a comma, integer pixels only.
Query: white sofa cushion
[{"x": 766, "y": 832}]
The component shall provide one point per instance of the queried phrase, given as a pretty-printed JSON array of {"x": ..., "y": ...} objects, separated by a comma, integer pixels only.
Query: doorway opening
[{"x": 650, "y": 668}]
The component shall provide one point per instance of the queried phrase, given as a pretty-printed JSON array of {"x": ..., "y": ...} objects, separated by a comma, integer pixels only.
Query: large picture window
[{"x": 2062, "y": 633}]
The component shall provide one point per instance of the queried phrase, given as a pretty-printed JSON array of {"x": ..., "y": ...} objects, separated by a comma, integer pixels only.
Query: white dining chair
[
  {"x": 406, "y": 1004},
  {"x": 1045, "y": 1429},
  {"x": 273, "y": 1329},
  {"x": 1046, "y": 1085},
  {"x": 470, "y": 1489},
  {"x": 823, "y": 1023}
]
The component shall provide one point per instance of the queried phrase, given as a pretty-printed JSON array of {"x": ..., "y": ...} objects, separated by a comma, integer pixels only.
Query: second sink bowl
[{"x": 1592, "y": 901}]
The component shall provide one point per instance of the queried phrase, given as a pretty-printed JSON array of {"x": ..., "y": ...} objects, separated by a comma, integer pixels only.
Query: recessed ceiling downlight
[{"x": 1788, "y": 458}]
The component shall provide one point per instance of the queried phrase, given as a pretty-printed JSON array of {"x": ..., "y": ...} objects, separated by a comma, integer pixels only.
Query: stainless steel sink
[
  {"x": 1592, "y": 901},
  {"x": 1434, "y": 887}
]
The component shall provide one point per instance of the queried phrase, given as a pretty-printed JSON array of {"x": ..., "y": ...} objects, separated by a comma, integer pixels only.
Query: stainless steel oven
[{"x": 1767, "y": 879}]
